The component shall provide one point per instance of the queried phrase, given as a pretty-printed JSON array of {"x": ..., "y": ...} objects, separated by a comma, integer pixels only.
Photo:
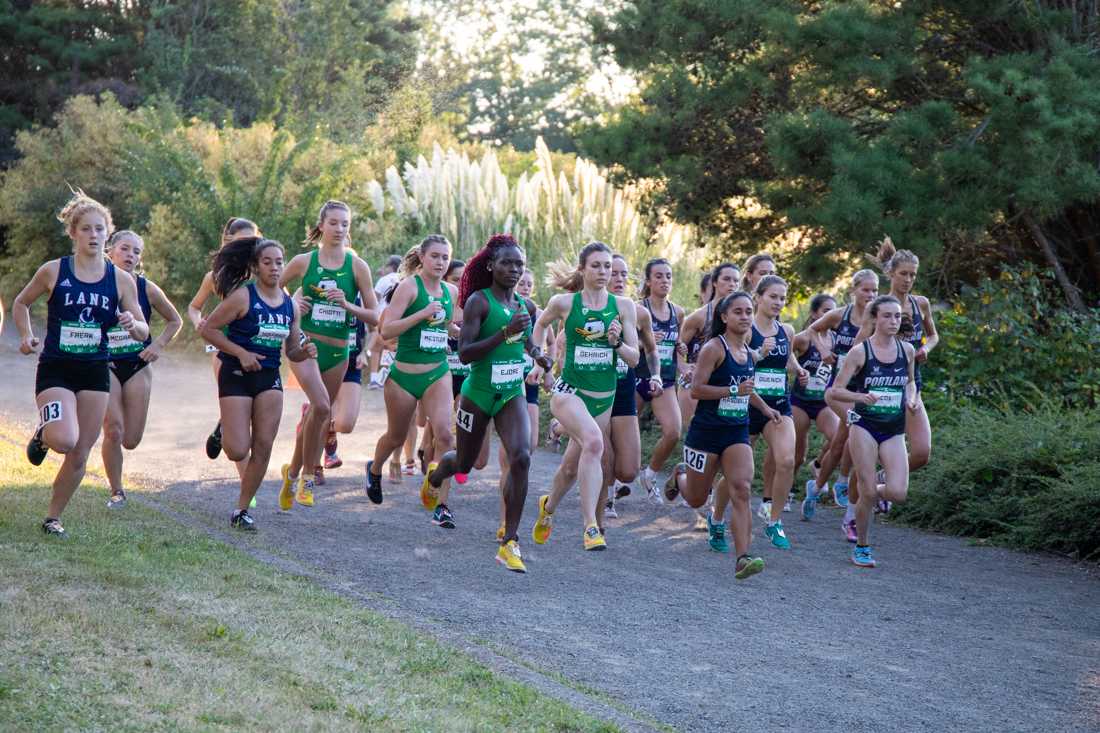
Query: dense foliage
[{"x": 968, "y": 130}]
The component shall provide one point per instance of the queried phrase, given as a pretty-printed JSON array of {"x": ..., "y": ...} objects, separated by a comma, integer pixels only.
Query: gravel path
[{"x": 655, "y": 632}]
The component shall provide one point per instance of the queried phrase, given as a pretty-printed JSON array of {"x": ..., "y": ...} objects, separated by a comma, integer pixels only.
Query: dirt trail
[{"x": 941, "y": 636}]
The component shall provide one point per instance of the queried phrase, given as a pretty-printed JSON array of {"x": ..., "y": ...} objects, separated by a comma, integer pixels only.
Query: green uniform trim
[
  {"x": 426, "y": 342},
  {"x": 589, "y": 359},
  {"x": 324, "y": 318}
]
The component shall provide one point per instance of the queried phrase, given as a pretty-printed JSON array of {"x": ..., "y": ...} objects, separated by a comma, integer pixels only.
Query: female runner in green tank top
[
  {"x": 495, "y": 335},
  {"x": 600, "y": 328},
  {"x": 330, "y": 275},
  {"x": 420, "y": 316}
]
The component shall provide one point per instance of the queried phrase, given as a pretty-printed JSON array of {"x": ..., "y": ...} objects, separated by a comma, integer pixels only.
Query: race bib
[
  {"x": 387, "y": 358},
  {"x": 823, "y": 372},
  {"x": 528, "y": 364},
  {"x": 325, "y": 312},
  {"x": 353, "y": 340},
  {"x": 734, "y": 407},
  {"x": 621, "y": 368},
  {"x": 79, "y": 338},
  {"x": 592, "y": 358},
  {"x": 507, "y": 375},
  {"x": 563, "y": 387},
  {"x": 455, "y": 364},
  {"x": 119, "y": 342},
  {"x": 815, "y": 388},
  {"x": 696, "y": 460},
  {"x": 888, "y": 401},
  {"x": 465, "y": 420},
  {"x": 433, "y": 340},
  {"x": 51, "y": 412},
  {"x": 271, "y": 335},
  {"x": 667, "y": 351},
  {"x": 771, "y": 382}
]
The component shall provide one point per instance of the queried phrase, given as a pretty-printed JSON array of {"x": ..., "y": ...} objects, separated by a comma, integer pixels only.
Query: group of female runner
[{"x": 471, "y": 350}]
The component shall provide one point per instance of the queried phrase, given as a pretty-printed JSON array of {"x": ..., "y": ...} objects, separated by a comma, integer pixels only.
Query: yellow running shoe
[
  {"x": 593, "y": 538},
  {"x": 500, "y": 533},
  {"x": 428, "y": 496},
  {"x": 286, "y": 497},
  {"x": 304, "y": 496},
  {"x": 508, "y": 556},
  {"x": 544, "y": 525}
]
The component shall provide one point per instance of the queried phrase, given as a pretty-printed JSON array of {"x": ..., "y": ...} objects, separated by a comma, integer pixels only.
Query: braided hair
[{"x": 477, "y": 275}]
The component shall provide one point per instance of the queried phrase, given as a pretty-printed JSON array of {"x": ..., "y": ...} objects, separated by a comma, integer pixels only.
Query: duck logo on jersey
[{"x": 592, "y": 331}]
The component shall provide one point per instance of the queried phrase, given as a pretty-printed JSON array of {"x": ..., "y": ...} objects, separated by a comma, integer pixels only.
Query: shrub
[{"x": 1024, "y": 479}]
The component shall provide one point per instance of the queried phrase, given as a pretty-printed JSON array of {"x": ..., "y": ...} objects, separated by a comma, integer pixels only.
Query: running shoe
[
  {"x": 544, "y": 525},
  {"x": 442, "y": 517},
  {"x": 252, "y": 503},
  {"x": 331, "y": 444},
  {"x": 862, "y": 557},
  {"x": 672, "y": 485},
  {"x": 717, "y": 535},
  {"x": 552, "y": 440},
  {"x": 748, "y": 566},
  {"x": 840, "y": 494},
  {"x": 428, "y": 496},
  {"x": 509, "y": 556},
  {"x": 410, "y": 468},
  {"x": 374, "y": 384},
  {"x": 319, "y": 476},
  {"x": 809, "y": 504},
  {"x": 593, "y": 538},
  {"x": 374, "y": 484},
  {"x": 36, "y": 449},
  {"x": 117, "y": 500},
  {"x": 332, "y": 460},
  {"x": 882, "y": 506},
  {"x": 609, "y": 509},
  {"x": 53, "y": 528},
  {"x": 242, "y": 520},
  {"x": 775, "y": 533},
  {"x": 304, "y": 495},
  {"x": 214, "y": 442},
  {"x": 849, "y": 529},
  {"x": 764, "y": 511},
  {"x": 649, "y": 483},
  {"x": 621, "y": 490},
  {"x": 286, "y": 496},
  {"x": 787, "y": 505}
]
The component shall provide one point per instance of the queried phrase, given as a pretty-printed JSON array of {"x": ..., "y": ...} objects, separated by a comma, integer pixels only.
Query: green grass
[{"x": 136, "y": 622}]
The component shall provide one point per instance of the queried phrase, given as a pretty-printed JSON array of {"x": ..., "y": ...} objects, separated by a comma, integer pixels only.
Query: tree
[{"x": 967, "y": 130}]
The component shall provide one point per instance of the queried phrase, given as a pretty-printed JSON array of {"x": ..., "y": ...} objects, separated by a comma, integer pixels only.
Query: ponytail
[
  {"x": 313, "y": 234},
  {"x": 476, "y": 276},
  {"x": 648, "y": 269},
  {"x": 889, "y": 257},
  {"x": 750, "y": 265},
  {"x": 232, "y": 264},
  {"x": 412, "y": 259}
]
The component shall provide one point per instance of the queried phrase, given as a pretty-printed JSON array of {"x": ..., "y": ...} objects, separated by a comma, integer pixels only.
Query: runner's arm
[
  {"x": 167, "y": 311},
  {"x": 368, "y": 312},
  {"x": 554, "y": 311},
  {"x": 194, "y": 308},
  {"x": 233, "y": 307},
  {"x": 128, "y": 304},
  {"x": 394, "y": 325},
  {"x": 852, "y": 364},
  {"x": 473, "y": 314},
  {"x": 931, "y": 335},
  {"x": 40, "y": 284},
  {"x": 704, "y": 366},
  {"x": 648, "y": 342},
  {"x": 819, "y": 333},
  {"x": 295, "y": 350}
]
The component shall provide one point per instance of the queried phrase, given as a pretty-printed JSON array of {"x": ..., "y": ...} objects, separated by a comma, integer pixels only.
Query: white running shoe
[
  {"x": 648, "y": 479},
  {"x": 764, "y": 511},
  {"x": 787, "y": 505}
]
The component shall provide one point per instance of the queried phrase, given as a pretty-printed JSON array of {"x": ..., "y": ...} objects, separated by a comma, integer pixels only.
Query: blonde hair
[
  {"x": 750, "y": 265},
  {"x": 889, "y": 256},
  {"x": 313, "y": 234},
  {"x": 570, "y": 278},
  {"x": 862, "y": 275},
  {"x": 78, "y": 206},
  {"x": 411, "y": 262}
]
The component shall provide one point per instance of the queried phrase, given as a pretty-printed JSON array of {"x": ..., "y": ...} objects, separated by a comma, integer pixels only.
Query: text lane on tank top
[
  {"x": 502, "y": 368},
  {"x": 732, "y": 409},
  {"x": 120, "y": 344},
  {"x": 887, "y": 383},
  {"x": 325, "y": 318},
  {"x": 771, "y": 370},
  {"x": 262, "y": 330},
  {"x": 79, "y": 314},
  {"x": 666, "y": 333}
]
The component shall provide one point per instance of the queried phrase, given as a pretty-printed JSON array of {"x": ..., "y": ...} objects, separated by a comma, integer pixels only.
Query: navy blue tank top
[
  {"x": 120, "y": 345},
  {"x": 728, "y": 411},
  {"x": 666, "y": 333},
  {"x": 913, "y": 333},
  {"x": 78, "y": 315},
  {"x": 696, "y": 344},
  {"x": 771, "y": 370},
  {"x": 887, "y": 382},
  {"x": 356, "y": 336},
  {"x": 262, "y": 330},
  {"x": 814, "y": 391},
  {"x": 844, "y": 334}
]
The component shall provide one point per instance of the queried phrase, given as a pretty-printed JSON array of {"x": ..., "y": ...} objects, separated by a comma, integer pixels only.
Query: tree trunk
[{"x": 1073, "y": 295}]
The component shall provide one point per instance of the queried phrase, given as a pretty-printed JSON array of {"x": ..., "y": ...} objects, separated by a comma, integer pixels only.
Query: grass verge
[{"x": 136, "y": 622}]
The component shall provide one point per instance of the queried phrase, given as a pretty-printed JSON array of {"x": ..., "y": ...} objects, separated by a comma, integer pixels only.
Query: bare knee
[
  {"x": 320, "y": 411},
  {"x": 520, "y": 462},
  {"x": 64, "y": 443},
  {"x": 343, "y": 424},
  {"x": 671, "y": 431},
  {"x": 626, "y": 474},
  {"x": 234, "y": 453},
  {"x": 783, "y": 462},
  {"x": 112, "y": 433},
  {"x": 444, "y": 441},
  {"x": 739, "y": 491},
  {"x": 131, "y": 442},
  {"x": 592, "y": 444}
]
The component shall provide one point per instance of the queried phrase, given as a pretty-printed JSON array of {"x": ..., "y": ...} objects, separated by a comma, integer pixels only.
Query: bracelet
[{"x": 616, "y": 346}]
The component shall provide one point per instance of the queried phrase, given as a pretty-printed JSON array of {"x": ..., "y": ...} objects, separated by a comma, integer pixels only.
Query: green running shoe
[{"x": 748, "y": 566}]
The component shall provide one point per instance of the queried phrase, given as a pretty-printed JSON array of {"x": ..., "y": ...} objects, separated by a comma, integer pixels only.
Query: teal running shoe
[
  {"x": 862, "y": 557},
  {"x": 840, "y": 494},
  {"x": 717, "y": 532},
  {"x": 775, "y": 533},
  {"x": 809, "y": 504}
]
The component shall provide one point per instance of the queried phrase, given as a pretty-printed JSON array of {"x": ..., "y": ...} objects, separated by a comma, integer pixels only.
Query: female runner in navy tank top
[
  {"x": 131, "y": 379},
  {"x": 260, "y": 320},
  {"x": 87, "y": 296},
  {"x": 723, "y": 383},
  {"x": 696, "y": 326}
]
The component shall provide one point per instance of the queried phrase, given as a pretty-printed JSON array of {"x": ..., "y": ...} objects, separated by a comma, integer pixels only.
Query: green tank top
[
  {"x": 589, "y": 359},
  {"x": 502, "y": 369},
  {"x": 324, "y": 318},
  {"x": 426, "y": 342}
]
